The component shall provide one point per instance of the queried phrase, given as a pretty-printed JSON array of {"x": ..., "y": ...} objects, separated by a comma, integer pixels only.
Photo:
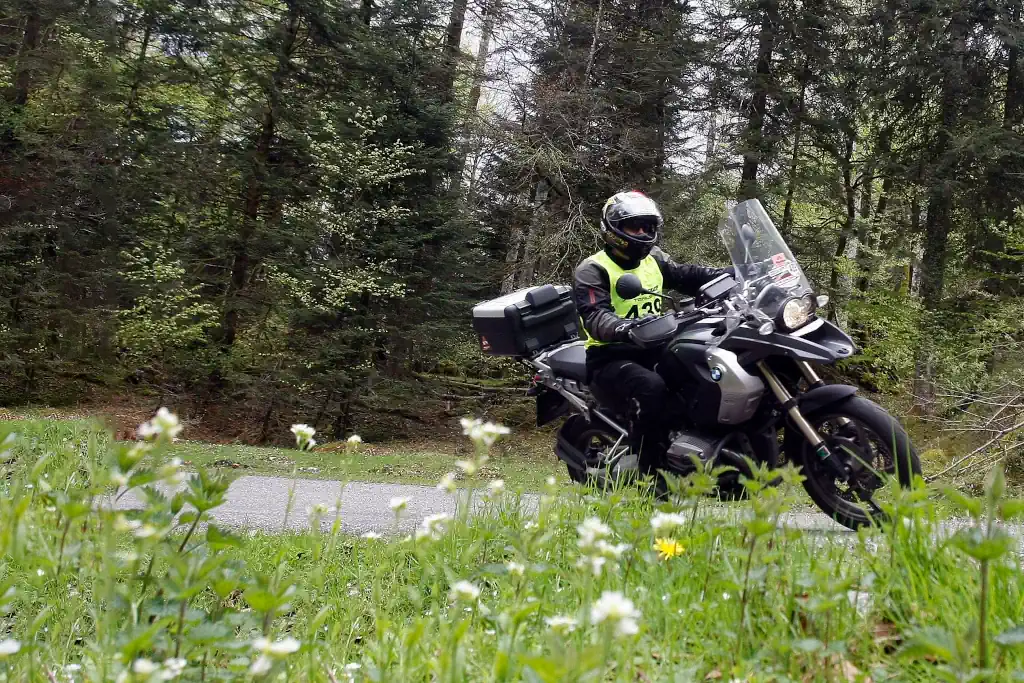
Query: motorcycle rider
[{"x": 620, "y": 373}]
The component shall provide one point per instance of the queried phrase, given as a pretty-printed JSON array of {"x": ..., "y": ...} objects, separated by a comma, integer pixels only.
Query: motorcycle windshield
[{"x": 759, "y": 253}]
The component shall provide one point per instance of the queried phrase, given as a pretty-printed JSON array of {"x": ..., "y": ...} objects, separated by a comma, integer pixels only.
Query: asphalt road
[{"x": 257, "y": 502}]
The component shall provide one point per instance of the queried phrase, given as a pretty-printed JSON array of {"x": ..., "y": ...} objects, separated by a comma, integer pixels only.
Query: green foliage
[
  {"x": 277, "y": 208},
  {"x": 168, "y": 316},
  {"x": 159, "y": 590}
]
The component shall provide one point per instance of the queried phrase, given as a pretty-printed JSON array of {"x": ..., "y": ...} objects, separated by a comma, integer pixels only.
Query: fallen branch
[{"x": 977, "y": 450}]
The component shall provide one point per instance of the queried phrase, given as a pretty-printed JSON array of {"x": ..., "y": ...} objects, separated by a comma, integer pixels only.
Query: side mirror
[
  {"x": 747, "y": 235},
  {"x": 629, "y": 286}
]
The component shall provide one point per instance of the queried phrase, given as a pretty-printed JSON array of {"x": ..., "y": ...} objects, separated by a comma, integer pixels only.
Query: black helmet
[{"x": 630, "y": 224}]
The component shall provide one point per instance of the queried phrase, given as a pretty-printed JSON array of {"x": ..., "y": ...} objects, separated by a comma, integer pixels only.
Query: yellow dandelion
[{"x": 668, "y": 548}]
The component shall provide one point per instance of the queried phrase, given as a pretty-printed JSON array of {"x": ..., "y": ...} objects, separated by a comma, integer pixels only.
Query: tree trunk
[
  {"x": 490, "y": 11},
  {"x": 140, "y": 61},
  {"x": 452, "y": 50},
  {"x": 515, "y": 246},
  {"x": 533, "y": 236},
  {"x": 1013, "y": 107},
  {"x": 593, "y": 44},
  {"x": 243, "y": 261},
  {"x": 712, "y": 134},
  {"x": 23, "y": 77},
  {"x": 868, "y": 261},
  {"x": 865, "y": 226},
  {"x": 1002, "y": 194},
  {"x": 26, "y": 57},
  {"x": 754, "y": 152},
  {"x": 849, "y": 226},
  {"x": 787, "y": 212},
  {"x": 938, "y": 220}
]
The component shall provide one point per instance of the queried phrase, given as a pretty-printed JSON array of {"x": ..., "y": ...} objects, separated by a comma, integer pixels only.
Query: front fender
[
  {"x": 810, "y": 403},
  {"x": 820, "y": 397}
]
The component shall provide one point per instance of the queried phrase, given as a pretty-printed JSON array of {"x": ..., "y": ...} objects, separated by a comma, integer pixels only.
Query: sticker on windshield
[
  {"x": 779, "y": 259},
  {"x": 783, "y": 274}
]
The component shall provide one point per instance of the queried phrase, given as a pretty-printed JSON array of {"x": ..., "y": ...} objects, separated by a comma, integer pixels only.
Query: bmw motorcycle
[{"x": 740, "y": 365}]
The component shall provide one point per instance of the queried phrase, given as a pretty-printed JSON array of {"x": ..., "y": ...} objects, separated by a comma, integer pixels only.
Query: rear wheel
[
  {"x": 871, "y": 443},
  {"x": 596, "y": 442}
]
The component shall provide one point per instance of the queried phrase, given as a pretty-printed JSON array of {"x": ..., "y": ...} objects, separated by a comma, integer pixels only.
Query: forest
[{"x": 267, "y": 211}]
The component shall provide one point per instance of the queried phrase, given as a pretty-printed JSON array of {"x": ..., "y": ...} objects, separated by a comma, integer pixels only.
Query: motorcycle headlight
[{"x": 795, "y": 313}]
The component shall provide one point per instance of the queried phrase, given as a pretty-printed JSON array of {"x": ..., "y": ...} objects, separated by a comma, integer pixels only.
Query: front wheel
[{"x": 874, "y": 447}]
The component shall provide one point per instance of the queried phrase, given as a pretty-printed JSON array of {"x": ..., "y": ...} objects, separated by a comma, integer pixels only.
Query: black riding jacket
[{"x": 592, "y": 291}]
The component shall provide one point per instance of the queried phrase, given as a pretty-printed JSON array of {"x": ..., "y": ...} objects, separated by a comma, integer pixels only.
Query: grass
[
  {"x": 112, "y": 596},
  {"x": 525, "y": 463},
  {"x": 399, "y": 463}
]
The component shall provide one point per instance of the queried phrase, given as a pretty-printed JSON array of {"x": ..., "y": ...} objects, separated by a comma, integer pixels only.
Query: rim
[{"x": 867, "y": 453}]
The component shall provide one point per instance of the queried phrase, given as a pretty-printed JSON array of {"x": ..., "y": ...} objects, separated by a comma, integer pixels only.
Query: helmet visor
[{"x": 641, "y": 228}]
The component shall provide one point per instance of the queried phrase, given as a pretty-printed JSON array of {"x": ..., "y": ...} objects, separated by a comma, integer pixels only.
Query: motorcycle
[{"x": 740, "y": 364}]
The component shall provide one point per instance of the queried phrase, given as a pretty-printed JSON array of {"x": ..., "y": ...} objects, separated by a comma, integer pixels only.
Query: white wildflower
[
  {"x": 616, "y": 609},
  {"x": 40, "y": 572},
  {"x": 496, "y": 488},
  {"x": 433, "y": 527},
  {"x": 173, "y": 668},
  {"x": 464, "y": 591},
  {"x": 592, "y": 530},
  {"x": 515, "y": 569},
  {"x": 354, "y": 440},
  {"x": 144, "y": 667},
  {"x": 118, "y": 479},
  {"x": 280, "y": 648},
  {"x": 302, "y": 432},
  {"x": 551, "y": 482},
  {"x": 482, "y": 432},
  {"x": 127, "y": 557},
  {"x": 665, "y": 522},
  {"x": 303, "y": 436},
  {"x": 349, "y": 672},
  {"x": 165, "y": 423},
  {"x": 594, "y": 563},
  {"x": 122, "y": 523},
  {"x": 492, "y": 431},
  {"x": 261, "y": 665},
  {"x": 561, "y": 624},
  {"x": 398, "y": 504},
  {"x": 371, "y": 535},
  {"x": 171, "y": 471},
  {"x": 8, "y": 647},
  {"x": 146, "y": 531},
  {"x": 447, "y": 483},
  {"x": 468, "y": 467},
  {"x": 317, "y": 512},
  {"x": 606, "y": 549},
  {"x": 137, "y": 452}
]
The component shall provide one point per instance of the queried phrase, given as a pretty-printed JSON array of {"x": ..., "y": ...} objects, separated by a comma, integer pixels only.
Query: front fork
[{"x": 789, "y": 404}]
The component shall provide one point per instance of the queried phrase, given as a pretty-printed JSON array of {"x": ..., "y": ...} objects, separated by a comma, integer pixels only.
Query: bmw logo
[{"x": 716, "y": 373}]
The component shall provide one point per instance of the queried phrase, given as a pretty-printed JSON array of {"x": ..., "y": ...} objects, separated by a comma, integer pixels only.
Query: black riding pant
[{"x": 631, "y": 389}]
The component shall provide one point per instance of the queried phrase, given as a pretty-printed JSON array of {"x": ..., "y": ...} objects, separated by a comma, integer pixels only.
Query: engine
[{"x": 684, "y": 446}]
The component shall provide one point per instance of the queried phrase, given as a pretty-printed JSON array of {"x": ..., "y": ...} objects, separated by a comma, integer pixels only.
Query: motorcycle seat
[{"x": 570, "y": 361}]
